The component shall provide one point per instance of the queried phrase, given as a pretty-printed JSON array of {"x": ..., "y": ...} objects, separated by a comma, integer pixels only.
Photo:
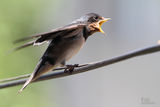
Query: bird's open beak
[{"x": 101, "y": 22}]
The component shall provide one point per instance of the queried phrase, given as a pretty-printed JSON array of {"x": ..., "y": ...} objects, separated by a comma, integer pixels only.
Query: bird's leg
[
  {"x": 63, "y": 63},
  {"x": 70, "y": 68}
]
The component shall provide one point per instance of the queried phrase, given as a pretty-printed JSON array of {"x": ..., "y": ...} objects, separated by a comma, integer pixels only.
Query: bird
[{"x": 64, "y": 43}]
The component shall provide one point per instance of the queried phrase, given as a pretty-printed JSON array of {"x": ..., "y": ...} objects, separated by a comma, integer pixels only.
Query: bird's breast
[
  {"x": 64, "y": 49},
  {"x": 74, "y": 46}
]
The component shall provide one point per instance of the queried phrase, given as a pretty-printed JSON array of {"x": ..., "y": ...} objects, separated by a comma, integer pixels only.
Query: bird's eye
[{"x": 95, "y": 18}]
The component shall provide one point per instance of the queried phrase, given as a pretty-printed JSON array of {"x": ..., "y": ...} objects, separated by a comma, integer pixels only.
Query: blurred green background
[
  {"x": 19, "y": 18},
  {"x": 135, "y": 24}
]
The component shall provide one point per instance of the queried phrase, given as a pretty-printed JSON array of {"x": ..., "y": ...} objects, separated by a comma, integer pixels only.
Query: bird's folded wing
[
  {"x": 42, "y": 37},
  {"x": 51, "y": 34}
]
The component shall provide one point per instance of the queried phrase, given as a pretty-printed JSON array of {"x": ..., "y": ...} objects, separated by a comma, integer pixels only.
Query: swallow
[{"x": 64, "y": 43}]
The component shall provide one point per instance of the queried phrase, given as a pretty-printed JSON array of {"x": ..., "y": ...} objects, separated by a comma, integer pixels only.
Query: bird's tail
[
  {"x": 27, "y": 82},
  {"x": 40, "y": 69}
]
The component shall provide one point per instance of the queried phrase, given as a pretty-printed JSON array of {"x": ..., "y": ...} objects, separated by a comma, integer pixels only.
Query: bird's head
[{"x": 93, "y": 22}]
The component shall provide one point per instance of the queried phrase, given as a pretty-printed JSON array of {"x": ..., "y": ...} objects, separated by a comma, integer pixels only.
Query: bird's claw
[{"x": 70, "y": 68}]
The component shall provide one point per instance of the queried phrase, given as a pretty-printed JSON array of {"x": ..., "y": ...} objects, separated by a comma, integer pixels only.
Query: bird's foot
[{"x": 70, "y": 68}]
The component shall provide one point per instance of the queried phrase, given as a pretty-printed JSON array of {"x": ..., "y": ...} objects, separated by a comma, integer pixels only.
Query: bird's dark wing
[
  {"x": 51, "y": 34},
  {"x": 23, "y": 46},
  {"x": 42, "y": 37}
]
